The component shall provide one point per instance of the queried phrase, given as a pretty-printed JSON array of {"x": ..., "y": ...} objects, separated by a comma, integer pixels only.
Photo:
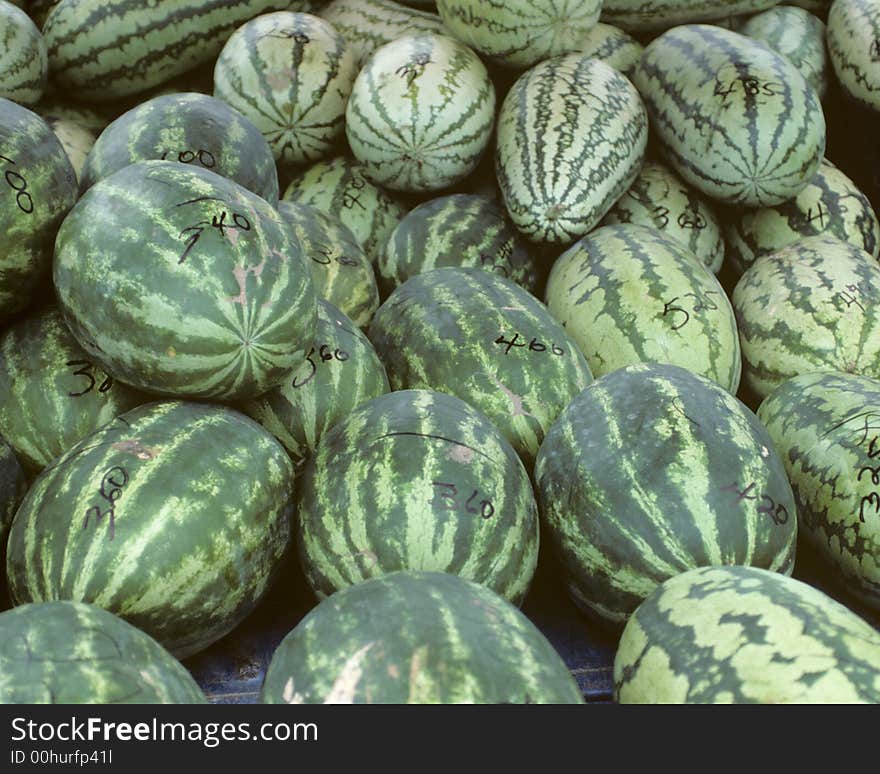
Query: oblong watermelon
[
  {"x": 826, "y": 427},
  {"x": 481, "y": 337},
  {"x": 75, "y": 653},
  {"x": 744, "y": 635},
  {"x": 174, "y": 516},
  {"x": 216, "y": 302},
  {"x": 417, "y": 638},
  {"x": 651, "y": 471},
  {"x": 429, "y": 484},
  {"x": 852, "y": 36}
]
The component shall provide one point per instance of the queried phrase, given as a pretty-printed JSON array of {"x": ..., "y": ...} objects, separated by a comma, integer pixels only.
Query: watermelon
[
  {"x": 51, "y": 394},
  {"x": 339, "y": 373},
  {"x": 421, "y": 113},
  {"x": 796, "y": 34},
  {"x": 811, "y": 306},
  {"x": 640, "y": 15},
  {"x": 77, "y": 141},
  {"x": 417, "y": 638},
  {"x": 854, "y": 48},
  {"x": 572, "y": 133},
  {"x": 341, "y": 271},
  {"x": 825, "y": 426},
  {"x": 13, "y": 485},
  {"x": 735, "y": 119},
  {"x": 370, "y": 24},
  {"x": 106, "y": 49},
  {"x": 651, "y": 471},
  {"x": 830, "y": 205},
  {"x": 745, "y": 635},
  {"x": 191, "y": 129},
  {"x": 484, "y": 339},
  {"x": 520, "y": 33},
  {"x": 174, "y": 516},
  {"x": 291, "y": 74},
  {"x": 24, "y": 61},
  {"x": 425, "y": 483},
  {"x": 457, "y": 230},
  {"x": 340, "y": 188},
  {"x": 75, "y": 653},
  {"x": 661, "y": 199},
  {"x": 218, "y": 301},
  {"x": 631, "y": 294},
  {"x": 613, "y": 46},
  {"x": 37, "y": 188}
]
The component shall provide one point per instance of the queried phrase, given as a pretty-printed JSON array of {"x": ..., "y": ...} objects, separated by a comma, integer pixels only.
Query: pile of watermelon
[{"x": 424, "y": 299}]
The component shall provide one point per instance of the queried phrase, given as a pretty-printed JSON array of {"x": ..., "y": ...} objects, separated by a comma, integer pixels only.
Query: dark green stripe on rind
[
  {"x": 421, "y": 113},
  {"x": 630, "y": 294},
  {"x": 571, "y": 138},
  {"x": 812, "y": 306},
  {"x": 175, "y": 517},
  {"x": 853, "y": 38},
  {"x": 745, "y": 635},
  {"x": 486, "y": 340},
  {"x": 341, "y": 270},
  {"x": 830, "y": 205},
  {"x": 291, "y": 74},
  {"x": 651, "y": 471},
  {"x": 74, "y": 653},
  {"x": 638, "y": 15},
  {"x": 458, "y": 230},
  {"x": 735, "y": 119},
  {"x": 37, "y": 188},
  {"x": 192, "y": 129},
  {"x": 613, "y": 46},
  {"x": 520, "y": 33},
  {"x": 211, "y": 296},
  {"x": 24, "y": 61},
  {"x": 826, "y": 426},
  {"x": 417, "y": 480},
  {"x": 339, "y": 373},
  {"x": 417, "y": 638},
  {"x": 51, "y": 394}
]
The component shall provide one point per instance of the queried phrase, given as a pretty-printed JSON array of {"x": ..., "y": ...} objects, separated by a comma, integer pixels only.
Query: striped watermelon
[
  {"x": 520, "y": 33},
  {"x": 826, "y": 428},
  {"x": 638, "y": 15},
  {"x": 421, "y": 113},
  {"x": 370, "y": 24},
  {"x": 341, "y": 271},
  {"x": 466, "y": 230},
  {"x": 417, "y": 638},
  {"x": 473, "y": 334},
  {"x": 24, "y": 61},
  {"x": 291, "y": 74},
  {"x": 796, "y": 34},
  {"x": 12, "y": 487},
  {"x": 854, "y": 48},
  {"x": 51, "y": 394},
  {"x": 191, "y": 129},
  {"x": 340, "y": 188},
  {"x": 91, "y": 52},
  {"x": 37, "y": 188},
  {"x": 217, "y": 303},
  {"x": 660, "y": 199},
  {"x": 653, "y": 470},
  {"x": 811, "y": 306},
  {"x": 74, "y": 653},
  {"x": 340, "y": 372},
  {"x": 735, "y": 119},
  {"x": 744, "y": 635},
  {"x": 613, "y": 46},
  {"x": 425, "y": 483},
  {"x": 175, "y": 517},
  {"x": 831, "y": 205},
  {"x": 571, "y": 138},
  {"x": 630, "y": 294}
]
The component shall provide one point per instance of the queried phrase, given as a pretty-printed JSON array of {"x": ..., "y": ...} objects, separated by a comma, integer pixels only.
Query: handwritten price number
[
  {"x": 327, "y": 257},
  {"x": 325, "y": 355},
  {"x": 751, "y": 87},
  {"x": 85, "y": 369},
  {"x": 112, "y": 484},
  {"x": 446, "y": 498},
  {"x": 350, "y": 200},
  {"x": 534, "y": 345},
  {"x": 777, "y": 512},
  {"x": 18, "y": 184},
  {"x": 701, "y": 302},
  {"x": 239, "y": 222},
  {"x": 204, "y": 157}
]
